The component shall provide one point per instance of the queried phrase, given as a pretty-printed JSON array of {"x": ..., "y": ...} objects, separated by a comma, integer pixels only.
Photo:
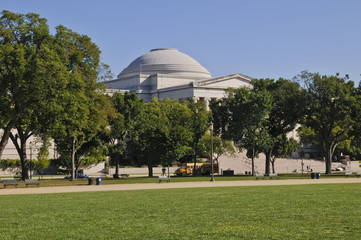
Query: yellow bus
[{"x": 186, "y": 169}]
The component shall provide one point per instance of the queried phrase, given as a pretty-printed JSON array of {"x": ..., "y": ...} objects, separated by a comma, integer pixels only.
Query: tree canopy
[
  {"x": 29, "y": 78},
  {"x": 48, "y": 82},
  {"x": 287, "y": 110},
  {"x": 242, "y": 118},
  {"x": 332, "y": 108}
]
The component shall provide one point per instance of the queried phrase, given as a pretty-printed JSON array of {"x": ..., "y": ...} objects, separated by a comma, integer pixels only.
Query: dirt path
[{"x": 142, "y": 186}]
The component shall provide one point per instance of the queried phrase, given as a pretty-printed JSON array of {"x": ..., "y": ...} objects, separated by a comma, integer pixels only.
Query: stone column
[{"x": 207, "y": 100}]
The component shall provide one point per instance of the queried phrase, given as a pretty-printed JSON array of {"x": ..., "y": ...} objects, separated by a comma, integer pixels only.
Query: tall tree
[
  {"x": 124, "y": 127},
  {"x": 283, "y": 147},
  {"x": 198, "y": 124},
  {"x": 164, "y": 132},
  {"x": 287, "y": 110},
  {"x": 244, "y": 112},
  {"x": 83, "y": 111},
  {"x": 29, "y": 79},
  {"x": 331, "y": 109}
]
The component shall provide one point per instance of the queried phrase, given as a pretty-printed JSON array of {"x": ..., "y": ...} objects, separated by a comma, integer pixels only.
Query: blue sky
[{"x": 261, "y": 39}]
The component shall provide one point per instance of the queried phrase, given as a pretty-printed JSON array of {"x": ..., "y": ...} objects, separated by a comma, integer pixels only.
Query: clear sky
[{"x": 258, "y": 38}]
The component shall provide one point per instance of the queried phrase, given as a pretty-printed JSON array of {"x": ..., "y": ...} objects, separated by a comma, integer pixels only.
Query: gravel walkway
[{"x": 142, "y": 186}]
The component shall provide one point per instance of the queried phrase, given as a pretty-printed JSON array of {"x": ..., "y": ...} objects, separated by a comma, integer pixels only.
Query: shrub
[{"x": 10, "y": 163}]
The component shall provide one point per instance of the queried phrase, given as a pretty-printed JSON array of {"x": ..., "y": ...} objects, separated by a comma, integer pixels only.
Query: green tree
[
  {"x": 221, "y": 147},
  {"x": 43, "y": 154},
  {"x": 84, "y": 110},
  {"x": 331, "y": 109},
  {"x": 81, "y": 124},
  {"x": 287, "y": 110},
  {"x": 198, "y": 125},
  {"x": 283, "y": 147},
  {"x": 244, "y": 112},
  {"x": 29, "y": 79},
  {"x": 104, "y": 73},
  {"x": 124, "y": 127},
  {"x": 164, "y": 132}
]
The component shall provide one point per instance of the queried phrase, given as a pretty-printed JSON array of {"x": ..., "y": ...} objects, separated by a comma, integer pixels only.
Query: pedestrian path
[{"x": 143, "y": 186}]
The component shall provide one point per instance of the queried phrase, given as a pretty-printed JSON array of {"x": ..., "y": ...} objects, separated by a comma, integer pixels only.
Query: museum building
[{"x": 168, "y": 73}]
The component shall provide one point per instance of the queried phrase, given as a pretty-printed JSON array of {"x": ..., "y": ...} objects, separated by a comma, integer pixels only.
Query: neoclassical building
[{"x": 169, "y": 73}]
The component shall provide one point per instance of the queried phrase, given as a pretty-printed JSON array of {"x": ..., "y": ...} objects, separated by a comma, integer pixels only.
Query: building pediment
[{"x": 229, "y": 81}]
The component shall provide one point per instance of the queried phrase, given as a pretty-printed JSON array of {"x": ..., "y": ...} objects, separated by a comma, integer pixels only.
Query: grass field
[{"x": 327, "y": 211}]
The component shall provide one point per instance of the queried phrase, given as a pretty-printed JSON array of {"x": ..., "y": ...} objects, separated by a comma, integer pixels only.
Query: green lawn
[{"x": 325, "y": 211}]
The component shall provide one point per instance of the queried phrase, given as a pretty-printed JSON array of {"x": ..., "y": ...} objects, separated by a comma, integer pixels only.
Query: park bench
[
  {"x": 273, "y": 175},
  {"x": 32, "y": 182},
  {"x": 163, "y": 178},
  {"x": 10, "y": 182},
  {"x": 259, "y": 176},
  {"x": 348, "y": 174},
  {"x": 124, "y": 175}
]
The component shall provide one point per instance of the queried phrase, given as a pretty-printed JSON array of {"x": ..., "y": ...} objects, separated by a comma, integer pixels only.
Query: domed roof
[{"x": 166, "y": 61}]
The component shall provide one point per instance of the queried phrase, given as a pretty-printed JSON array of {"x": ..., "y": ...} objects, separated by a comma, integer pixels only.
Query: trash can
[
  {"x": 313, "y": 175},
  {"x": 99, "y": 181},
  {"x": 318, "y": 175},
  {"x": 90, "y": 181},
  {"x": 228, "y": 173}
]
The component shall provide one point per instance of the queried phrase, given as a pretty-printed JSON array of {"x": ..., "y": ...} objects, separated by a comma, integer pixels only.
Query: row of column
[{"x": 205, "y": 100}]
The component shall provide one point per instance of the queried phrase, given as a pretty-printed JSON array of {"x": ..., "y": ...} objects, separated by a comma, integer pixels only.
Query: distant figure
[
  {"x": 163, "y": 171},
  {"x": 294, "y": 171}
]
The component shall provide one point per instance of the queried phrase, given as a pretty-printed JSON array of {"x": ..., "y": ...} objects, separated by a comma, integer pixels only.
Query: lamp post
[
  {"x": 212, "y": 163},
  {"x": 31, "y": 156}
]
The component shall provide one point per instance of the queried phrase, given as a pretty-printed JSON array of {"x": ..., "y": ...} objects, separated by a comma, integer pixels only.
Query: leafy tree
[
  {"x": 83, "y": 110},
  {"x": 244, "y": 112},
  {"x": 43, "y": 153},
  {"x": 29, "y": 79},
  {"x": 198, "y": 125},
  {"x": 89, "y": 152},
  {"x": 221, "y": 147},
  {"x": 164, "y": 132},
  {"x": 287, "y": 110},
  {"x": 80, "y": 126},
  {"x": 104, "y": 73},
  {"x": 331, "y": 109},
  {"x": 123, "y": 128},
  {"x": 283, "y": 147}
]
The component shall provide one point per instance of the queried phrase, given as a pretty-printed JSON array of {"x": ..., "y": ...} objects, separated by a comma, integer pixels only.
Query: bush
[{"x": 10, "y": 163}]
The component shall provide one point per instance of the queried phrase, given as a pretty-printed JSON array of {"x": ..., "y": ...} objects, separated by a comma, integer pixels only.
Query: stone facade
[{"x": 167, "y": 73}]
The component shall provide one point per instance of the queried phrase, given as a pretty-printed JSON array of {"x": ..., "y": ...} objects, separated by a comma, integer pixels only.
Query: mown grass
[{"x": 327, "y": 211}]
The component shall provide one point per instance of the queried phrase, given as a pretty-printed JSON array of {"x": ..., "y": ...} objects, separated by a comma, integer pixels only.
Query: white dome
[{"x": 166, "y": 61}]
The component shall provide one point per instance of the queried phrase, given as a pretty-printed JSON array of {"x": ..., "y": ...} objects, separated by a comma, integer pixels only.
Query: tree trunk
[
  {"x": 116, "y": 175},
  {"x": 253, "y": 173},
  {"x": 268, "y": 161},
  {"x": 328, "y": 160},
  {"x": 73, "y": 160},
  {"x": 4, "y": 139},
  {"x": 22, "y": 154},
  {"x": 21, "y": 149},
  {"x": 273, "y": 165},
  {"x": 150, "y": 165}
]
